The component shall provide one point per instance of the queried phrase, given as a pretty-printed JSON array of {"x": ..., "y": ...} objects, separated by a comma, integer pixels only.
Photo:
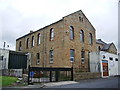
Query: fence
[{"x": 49, "y": 74}]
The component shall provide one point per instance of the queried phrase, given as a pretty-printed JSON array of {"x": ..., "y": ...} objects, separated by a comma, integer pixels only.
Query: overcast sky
[{"x": 18, "y": 17}]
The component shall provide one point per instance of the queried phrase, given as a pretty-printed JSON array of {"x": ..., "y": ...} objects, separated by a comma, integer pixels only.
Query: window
[
  {"x": 38, "y": 58},
  {"x": 20, "y": 46},
  {"x": 90, "y": 39},
  {"x": 51, "y": 56},
  {"x": 51, "y": 34},
  {"x": 81, "y": 19},
  {"x": 110, "y": 58},
  {"x": 99, "y": 48},
  {"x": 38, "y": 39},
  {"x": 33, "y": 41},
  {"x": 27, "y": 43},
  {"x": 83, "y": 56},
  {"x": 81, "y": 36},
  {"x": 72, "y": 55},
  {"x": 116, "y": 59},
  {"x": 71, "y": 32}
]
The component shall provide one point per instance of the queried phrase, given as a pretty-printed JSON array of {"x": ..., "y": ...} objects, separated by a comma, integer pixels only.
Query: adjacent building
[
  {"x": 107, "y": 47},
  {"x": 12, "y": 63},
  {"x": 105, "y": 59},
  {"x": 65, "y": 43}
]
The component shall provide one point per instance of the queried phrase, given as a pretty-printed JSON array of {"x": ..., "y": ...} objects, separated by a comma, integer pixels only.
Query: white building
[
  {"x": 104, "y": 62},
  {"x": 12, "y": 63},
  {"x": 4, "y": 56}
]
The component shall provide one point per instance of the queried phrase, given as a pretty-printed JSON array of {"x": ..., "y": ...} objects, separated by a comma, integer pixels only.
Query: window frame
[
  {"x": 39, "y": 39},
  {"x": 116, "y": 59},
  {"x": 38, "y": 58},
  {"x": 20, "y": 46},
  {"x": 81, "y": 19},
  {"x": 33, "y": 41},
  {"x": 27, "y": 43},
  {"x": 111, "y": 58},
  {"x": 51, "y": 56},
  {"x": 51, "y": 34},
  {"x": 90, "y": 39},
  {"x": 82, "y": 56},
  {"x": 81, "y": 36},
  {"x": 71, "y": 32},
  {"x": 72, "y": 55}
]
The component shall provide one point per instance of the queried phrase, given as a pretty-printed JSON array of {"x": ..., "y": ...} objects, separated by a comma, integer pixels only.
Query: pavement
[
  {"x": 59, "y": 83},
  {"x": 42, "y": 85}
]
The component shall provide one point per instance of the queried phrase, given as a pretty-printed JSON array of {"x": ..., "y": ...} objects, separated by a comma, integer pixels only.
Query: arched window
[
  {"x": 33, "y": 41},
  {"x": 51, "y": 34},
  {"x": 27, "y": 43},
  {"x": 81, "y": 36},
  {"x": 20, "y": 46},
  {"x": 71, "y": 32},
  {"x": 90, "y": 39},
  {"x": 38, "y": 38}
]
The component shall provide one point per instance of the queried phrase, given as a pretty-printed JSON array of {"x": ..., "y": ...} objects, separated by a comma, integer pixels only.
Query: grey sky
[{"x": 18, "y": 17}]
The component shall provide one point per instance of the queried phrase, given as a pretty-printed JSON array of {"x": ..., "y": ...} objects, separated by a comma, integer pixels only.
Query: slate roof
[
  {"x": 99, "y": 41},
  {"x": 105, "y": 45}
]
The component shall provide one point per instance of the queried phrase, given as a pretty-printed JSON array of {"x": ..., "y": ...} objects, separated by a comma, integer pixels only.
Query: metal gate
[{"x": 49, "y": 74}]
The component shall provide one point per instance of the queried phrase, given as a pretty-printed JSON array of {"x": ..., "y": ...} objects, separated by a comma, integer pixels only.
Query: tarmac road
[{"x": 111, "y": 82}]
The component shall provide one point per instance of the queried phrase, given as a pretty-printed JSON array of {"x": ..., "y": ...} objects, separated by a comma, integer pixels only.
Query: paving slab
[{"x": 59, "y": 83}]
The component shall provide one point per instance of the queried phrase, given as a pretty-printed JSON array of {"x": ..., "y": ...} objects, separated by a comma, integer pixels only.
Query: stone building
[
  {"x": 65, "y": 43},
  {"x": 107, "y": 47}
]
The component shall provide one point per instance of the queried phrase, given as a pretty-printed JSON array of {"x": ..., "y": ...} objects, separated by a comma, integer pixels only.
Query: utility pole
[{"x": 4, "y": 45}]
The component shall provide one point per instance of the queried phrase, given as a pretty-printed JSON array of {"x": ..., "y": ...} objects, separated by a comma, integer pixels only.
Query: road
[{"x": 111, "y": 82}]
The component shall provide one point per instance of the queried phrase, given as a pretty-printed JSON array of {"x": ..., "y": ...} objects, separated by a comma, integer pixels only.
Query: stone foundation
[
  {"x": 86, "y": 75},
  {"x": 12, "y": 72}
]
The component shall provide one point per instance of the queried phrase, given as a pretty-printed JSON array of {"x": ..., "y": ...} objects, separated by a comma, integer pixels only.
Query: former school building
[{"x": 65, "y": 43}]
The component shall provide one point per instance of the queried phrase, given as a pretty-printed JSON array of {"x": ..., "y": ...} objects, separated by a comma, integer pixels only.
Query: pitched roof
[
  {"x": 99, "y": 41},
  {"x": 105, "y": 45}
]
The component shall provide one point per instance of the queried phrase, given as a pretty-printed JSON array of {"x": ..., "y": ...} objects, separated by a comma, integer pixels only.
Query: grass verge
[{"x": 7, "y": 80}]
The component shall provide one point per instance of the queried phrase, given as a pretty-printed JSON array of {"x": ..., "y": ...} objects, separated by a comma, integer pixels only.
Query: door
[{"x": 105, "y": 67}]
